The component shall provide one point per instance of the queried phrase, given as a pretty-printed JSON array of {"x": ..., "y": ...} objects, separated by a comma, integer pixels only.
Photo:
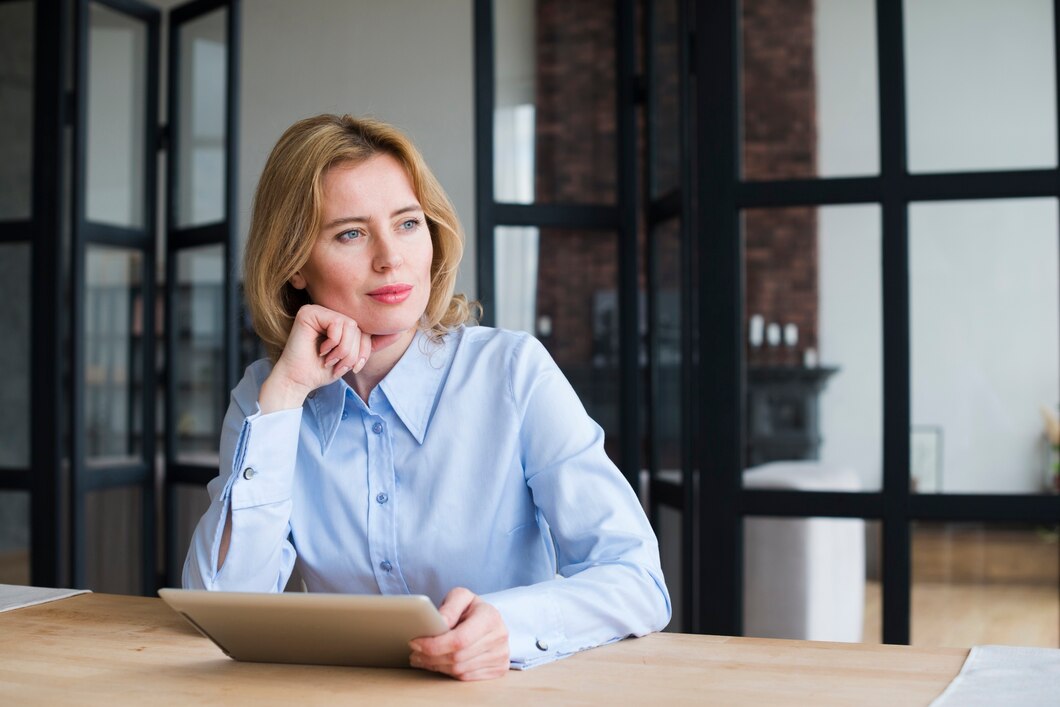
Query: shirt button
[
  {"x": 378, "y": 428},
  {"x": 312, "y": 394},
  {"x": 345, "y": 414},
  {"x": 542, "y": 644},
  {"x": 385, "y": 566},
  {"x": 382, "y": 498},
  {"x": 249, "y": 473}
]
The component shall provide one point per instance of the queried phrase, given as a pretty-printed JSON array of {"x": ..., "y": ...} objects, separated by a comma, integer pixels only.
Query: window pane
[
  {"x": 203, "y": 137},
  {"x": 554, "y": 118},
  {"x": 189, "y": 502},
  {"x": 14, "y": 354},
  {"x": 984, "y": 344},
  {"x": 812, "y": 579},
  {"x": 977, "y": 584},
  {"x": 113, "y": 542},
  {"x": 16, "y": 110},
  {"x": 809, "y": 86},
  {"x": 665, "y": 98},
  {"x": 980, "y": 84},
  {"x": 113, "y": 317},
  {"x": 117, "y": 59},
  {"x": 669, "y": 531},
  {"x": 14, "y": 537},
  {"x": 199, "y": 360},
  {"x": 814, "y": 346},
  {"x": 572, "y": 305},
  {"x": 666, "y": 318}
]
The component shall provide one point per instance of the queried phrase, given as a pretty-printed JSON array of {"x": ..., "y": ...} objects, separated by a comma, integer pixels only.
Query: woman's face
[{"x": 372, "y": 257}]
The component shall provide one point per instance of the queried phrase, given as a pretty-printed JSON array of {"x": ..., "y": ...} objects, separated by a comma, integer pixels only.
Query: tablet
[{"x": 320, "y": 629}]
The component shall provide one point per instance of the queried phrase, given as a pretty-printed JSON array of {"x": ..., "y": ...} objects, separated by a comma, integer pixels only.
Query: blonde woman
[{"x": 387, "y": 446}]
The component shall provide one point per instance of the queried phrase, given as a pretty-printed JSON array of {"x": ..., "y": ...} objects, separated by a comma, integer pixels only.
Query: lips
[{"x": 391, "y": 294}]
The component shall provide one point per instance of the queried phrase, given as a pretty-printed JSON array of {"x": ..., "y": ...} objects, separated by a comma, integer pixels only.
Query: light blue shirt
[{"x": 473, "y": 464}]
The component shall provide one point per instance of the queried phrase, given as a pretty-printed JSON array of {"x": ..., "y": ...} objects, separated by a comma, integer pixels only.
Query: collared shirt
[{"x": 472, "y": 464}]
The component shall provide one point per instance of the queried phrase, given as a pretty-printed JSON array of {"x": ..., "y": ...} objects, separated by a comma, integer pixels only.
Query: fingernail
[
  {"x": 360, "y": 365},
  {"x": 344, "y": 370},
  {"x": 330, "y": 362}
]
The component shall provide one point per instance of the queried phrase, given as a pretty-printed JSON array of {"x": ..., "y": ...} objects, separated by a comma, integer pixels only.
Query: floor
[{"x": 976, "y": 584}]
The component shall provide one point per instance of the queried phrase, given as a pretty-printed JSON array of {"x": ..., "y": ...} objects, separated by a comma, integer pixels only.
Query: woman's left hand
[{"x": 474, "y": 648}]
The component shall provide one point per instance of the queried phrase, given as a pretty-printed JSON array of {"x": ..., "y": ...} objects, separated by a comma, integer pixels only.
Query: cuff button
[
  {"x": 249, "y": 473},
  {"x": 542, "y": 645}
]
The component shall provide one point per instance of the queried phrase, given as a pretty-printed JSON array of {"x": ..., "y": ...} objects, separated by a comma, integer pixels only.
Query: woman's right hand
[{"x": 322, "y": 347}]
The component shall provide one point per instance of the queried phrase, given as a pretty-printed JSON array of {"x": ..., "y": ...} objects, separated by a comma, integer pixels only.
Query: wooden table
[{"x": 106, "y": 649}]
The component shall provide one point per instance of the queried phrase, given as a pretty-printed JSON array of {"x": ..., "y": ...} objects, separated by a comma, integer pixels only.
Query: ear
[{"x": 297, "y": 281}]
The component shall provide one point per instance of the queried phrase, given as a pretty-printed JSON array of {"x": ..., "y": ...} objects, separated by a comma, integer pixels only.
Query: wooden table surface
[{"x": 106, "y": 649}]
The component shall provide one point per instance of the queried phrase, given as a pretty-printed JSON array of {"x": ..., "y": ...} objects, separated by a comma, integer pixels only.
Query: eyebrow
[{"x": 365, "y": 219}]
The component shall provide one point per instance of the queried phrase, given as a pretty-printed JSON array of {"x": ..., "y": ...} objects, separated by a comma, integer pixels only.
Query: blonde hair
[{"x": 287, "y": 215}]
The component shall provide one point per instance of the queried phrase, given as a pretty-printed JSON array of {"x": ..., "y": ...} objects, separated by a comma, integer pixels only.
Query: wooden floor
[
  {"x": 975, "y": 584},
  {"x": 961, "y": 616}
]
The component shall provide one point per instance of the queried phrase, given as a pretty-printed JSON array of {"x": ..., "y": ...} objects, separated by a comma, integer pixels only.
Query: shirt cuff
[
  {"x": 534, "y": 623},
  {"x": 264, "y": 460}
]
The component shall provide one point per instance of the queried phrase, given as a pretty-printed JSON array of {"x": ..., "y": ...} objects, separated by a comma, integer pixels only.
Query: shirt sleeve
[
  {"x": 610, "y": 582},
  {"x": 257, "y": 462}
]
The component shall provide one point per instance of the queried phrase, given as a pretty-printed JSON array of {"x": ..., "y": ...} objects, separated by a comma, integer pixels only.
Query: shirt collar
[{"x": 412, "y": 388}]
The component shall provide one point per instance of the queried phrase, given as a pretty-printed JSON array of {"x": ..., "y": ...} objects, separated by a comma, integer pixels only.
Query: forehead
[{"x": 376, "y": 184}]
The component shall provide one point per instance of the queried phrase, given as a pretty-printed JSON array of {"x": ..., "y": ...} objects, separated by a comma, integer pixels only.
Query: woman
[{"x": 385, "y": 447}]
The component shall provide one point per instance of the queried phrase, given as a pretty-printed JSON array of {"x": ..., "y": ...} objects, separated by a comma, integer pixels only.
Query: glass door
[
  {"x": 113, "y": 392},
  {"x": 203, "y": 321}
]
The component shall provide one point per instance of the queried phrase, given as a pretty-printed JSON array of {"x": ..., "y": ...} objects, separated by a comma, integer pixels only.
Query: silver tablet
[{"x": 320, "y": 629}]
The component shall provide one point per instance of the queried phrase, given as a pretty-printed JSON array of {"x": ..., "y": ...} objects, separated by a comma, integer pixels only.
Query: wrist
[{"x": 280, "y": 393}]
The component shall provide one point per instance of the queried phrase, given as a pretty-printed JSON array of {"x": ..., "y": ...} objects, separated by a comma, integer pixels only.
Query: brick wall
[
  {"x": 575, "y": 164},
  {"x": 780, "y": 142}
]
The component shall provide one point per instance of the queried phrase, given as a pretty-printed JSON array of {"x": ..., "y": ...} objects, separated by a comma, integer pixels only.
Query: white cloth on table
[
  {"x": 13, "y": 596},
  {"x": 1006, "y": 675}
]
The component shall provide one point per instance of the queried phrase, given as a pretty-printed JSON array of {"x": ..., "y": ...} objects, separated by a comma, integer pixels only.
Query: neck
[{"x": 387, "y": 350}]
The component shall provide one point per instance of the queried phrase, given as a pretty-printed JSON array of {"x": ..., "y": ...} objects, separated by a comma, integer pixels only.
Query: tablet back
[{"x": 321, "y": 629}]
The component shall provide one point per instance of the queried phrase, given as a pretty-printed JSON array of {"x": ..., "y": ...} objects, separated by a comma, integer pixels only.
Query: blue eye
[
  {"x": 410, "y": 224},
  {"x": 350, "y": 235}
]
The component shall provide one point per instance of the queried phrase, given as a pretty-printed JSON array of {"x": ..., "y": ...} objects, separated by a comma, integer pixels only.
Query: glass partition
[
  {"x": 980, "y": 85},
  {"x": 202, "y": 139},
  {"x": 984, "y": 345},
  {"x": 15, "y": 355},
  {"x": 975, "y": 584},
  {"x": 113, "y": 337},
  {"x": 14, "y": 537},
  {"x": 115, "y": 139},
  {"x": 814, "y": 347},
  {"x": 814, "y": 579},
  {"x": 199, "y": 361},
  {"x": 554, "y": 92},
  {"x": 16, "y": 110},
  {"x": 808, "y": 77},
  {"x": 114, "y": 540}
]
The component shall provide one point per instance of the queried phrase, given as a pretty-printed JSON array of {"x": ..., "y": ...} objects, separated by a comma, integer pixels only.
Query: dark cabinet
[{"x": 782, "y": 412}]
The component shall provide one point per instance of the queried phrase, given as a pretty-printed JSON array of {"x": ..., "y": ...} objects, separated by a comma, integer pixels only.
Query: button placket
[{"x": 382, "y": 533}]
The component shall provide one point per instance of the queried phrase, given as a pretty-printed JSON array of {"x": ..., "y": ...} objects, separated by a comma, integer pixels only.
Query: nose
[{"x": 387, "y": 255}]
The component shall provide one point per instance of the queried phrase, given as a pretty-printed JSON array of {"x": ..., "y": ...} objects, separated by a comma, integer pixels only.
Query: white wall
[
  {"x": 407, "y": 62},
  {"x": 985, "y": 340}
]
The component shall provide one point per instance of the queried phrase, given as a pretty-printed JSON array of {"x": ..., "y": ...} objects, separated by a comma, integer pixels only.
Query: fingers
[
  {"x": 346, "y": 354},
  {"x": 341, "y": 345},
  {"x": 476, "y": 648},
  {"x": 455, "y": 604}
]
